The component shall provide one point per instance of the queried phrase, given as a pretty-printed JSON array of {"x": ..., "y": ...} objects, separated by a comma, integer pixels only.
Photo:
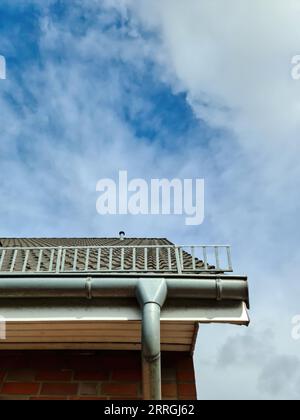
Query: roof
[
  {"x": 49, "y": 242},
  {"x": 105, "y": 323},
  {"x": 109, "y": 262}
]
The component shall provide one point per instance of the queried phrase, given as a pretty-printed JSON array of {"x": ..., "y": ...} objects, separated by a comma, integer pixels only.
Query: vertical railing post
[
  {"x": 51, "y": 260},
  {"x": 229, "y": 259},
  {"x": 3, "y": 252},
  {"x": 99, "y": 259},
  {"x": 134, "y": 259},
  {"x": 157, "y": 259},
  {"x": 58, "y": 260},
  {"x": 75, "y": 258},
  {"x": 38, "y": 267},
  {"x": 146, "y": 258},
  {"x": 217, "y": 257},
  {"x": 25, "y": 261},
  {"x": 193, "y": 258},
  {"x": 178, "y": 259},
  {"x": 110, "y": 263},
  {"x": 12, "y": 267},
  {"x": 122, "y": 258},
  {"x": 205, "y": 257},
  {"x": 87, "y": 259},
  {"x": 169, "y": 259}
]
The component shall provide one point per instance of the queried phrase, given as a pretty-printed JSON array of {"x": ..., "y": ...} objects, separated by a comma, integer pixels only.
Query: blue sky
[{"x": 165, "y": 90}]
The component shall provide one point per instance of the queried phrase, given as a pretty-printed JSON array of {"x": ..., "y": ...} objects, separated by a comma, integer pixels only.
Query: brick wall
[{"x": 77, "y": 375}]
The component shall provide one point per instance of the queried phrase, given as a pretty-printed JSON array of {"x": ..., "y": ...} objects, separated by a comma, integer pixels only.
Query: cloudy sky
[{"x": 166, "y": 88}]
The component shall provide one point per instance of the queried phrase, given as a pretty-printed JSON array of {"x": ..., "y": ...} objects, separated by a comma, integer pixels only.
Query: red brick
[
  {"x": 169, "y": 390},
  {"x": 177, "y": 360},
  {"x": 57, "y": 376},
  {"x": 91, "y": 376},
  {"x": 99, "y": 375},
  {"x": 129, "y": 360},
  {"x": 16, "y": 388},
  {"x": 168, "y": 374},
  {"x": 48, "y": 360},
  {"x": 12, "y": 361},
  {"x": 186, "y": 376},
  {"x": 59, "y": 389},
  {"x": 171, "y": 359},
  {"x": 88, "y": 398},
  {"x": 2, "y": 375},
  {"x": 185, "y": 363},
  {"x": 86, "y": 363},
  {"x": 127, "y": 375},
  {"x": 88, "y": 389},
  {"x": 20, "y": 375},
  {"x": 122, "y": 398},
  {"x": 48, "y": 398},
  {"x": 187, "y": 391},
  {"x": 129, "y": 390}
]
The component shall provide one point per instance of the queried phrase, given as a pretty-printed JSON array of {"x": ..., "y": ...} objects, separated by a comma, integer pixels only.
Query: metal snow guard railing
[{"x": 116, "y": 259}]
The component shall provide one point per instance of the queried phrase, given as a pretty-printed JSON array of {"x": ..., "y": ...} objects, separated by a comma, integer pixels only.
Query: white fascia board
[{"x": 30, "y": 310}]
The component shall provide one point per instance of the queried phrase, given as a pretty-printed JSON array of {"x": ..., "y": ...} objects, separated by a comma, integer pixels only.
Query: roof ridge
[{"x": 81, "y": 237}]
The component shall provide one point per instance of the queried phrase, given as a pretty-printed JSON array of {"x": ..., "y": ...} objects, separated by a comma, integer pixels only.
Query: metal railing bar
[
  {"x": 75, "y": 258},
  {"x": 87, "y": 259},
  {"x": 63, "y": 260},
  {"x": 122, "y": 258},
  {"x": 217, "y": 258},
  {"x": 2, "y": 257},
  {"x": 13, "y": 263},
  {"x": 169, "y": 259},
  {"x": 51, "y": 260},
  {"x": 134, "y": 259},
  {"x": 38, "y": 268},
  {"x": 110, "y": 259},
  {"x": 99, "y": 259},
  {"x": 229, "y": 258},
  {"x": 58, "y": 260},
  {"x": 146, "y": 258},
  {"x": 25, "y": 261},
  {"x": 178, "y": 261},
  {"x": 110, "y": 246},
  {"x": 205, "y": 258},
  {"x": 161, "y": 256},
  {"x": 181, "y": 259},
  {"x": 193, "y": 258},
  {"x": 157, "y": 259}
]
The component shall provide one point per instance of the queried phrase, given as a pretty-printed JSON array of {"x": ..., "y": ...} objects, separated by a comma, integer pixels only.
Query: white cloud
[{"x": 234, "y": 55}]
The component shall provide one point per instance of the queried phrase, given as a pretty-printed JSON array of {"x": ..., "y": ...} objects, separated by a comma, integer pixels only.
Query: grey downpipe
[{"x": 151, "y": 294}]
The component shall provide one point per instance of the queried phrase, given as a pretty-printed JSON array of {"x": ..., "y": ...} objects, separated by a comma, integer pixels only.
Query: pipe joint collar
[
  {"x": 152, "y": 291},
  {"x": 151, "y": 359}
]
